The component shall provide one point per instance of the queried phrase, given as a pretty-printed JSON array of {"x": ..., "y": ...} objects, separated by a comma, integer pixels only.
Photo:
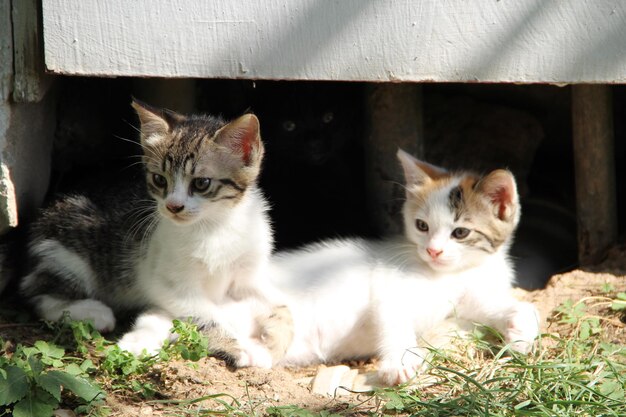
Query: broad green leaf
[
  {"x": 51, "y": 385},
  {"x": 73, "y": 369},
  {"x": 35, "y": 365},
  {"x": 394, "y": 401},
  {"x": 585, "y": 330},
  {"x": 612, "y": 389},
  {"x": 618, "y": 305},
  {"x": 33, "y": 406},
  {"x": 29, "y": 351},
  {"x": 79, "y": 386},
  {"x": 14, "y": 387},
  {"x": 49, "y": 350},
  {"x": 57, "y": 363},
  {"x": 87, "y": 366}
]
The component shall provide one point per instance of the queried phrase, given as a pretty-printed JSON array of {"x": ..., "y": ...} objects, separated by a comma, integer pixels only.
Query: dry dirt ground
[{"x": 256, "y": 389}]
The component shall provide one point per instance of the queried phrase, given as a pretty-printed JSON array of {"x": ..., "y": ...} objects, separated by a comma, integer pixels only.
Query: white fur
[
  {"x": 52, "y": 308},
  {"x": 204, "y": 269},
  {"x": 152, "y": 328},
  {"x": 352, "y": 299},
  {"x": 358, "y": 298},
  {"x": 57, "y": 258}
]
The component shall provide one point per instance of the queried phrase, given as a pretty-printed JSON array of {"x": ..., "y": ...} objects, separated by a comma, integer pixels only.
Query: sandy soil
[{"x": 257, "y": 389}]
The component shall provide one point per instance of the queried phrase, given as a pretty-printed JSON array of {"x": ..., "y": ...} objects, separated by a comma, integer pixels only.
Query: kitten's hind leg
[
  {"x": 265, "y": 345},
  {"x": 63, "y": 280},
  {"x": 52, "y": 308},
  {"x": 518, "y": 321},
  {"x": 236, "y": 352},
  {"x": 276, "y": 331}
]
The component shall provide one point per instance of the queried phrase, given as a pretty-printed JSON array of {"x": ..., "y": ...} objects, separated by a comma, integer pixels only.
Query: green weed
[
  {"x": 580, "y": 372},
  {"x": 35, "y": 380}
]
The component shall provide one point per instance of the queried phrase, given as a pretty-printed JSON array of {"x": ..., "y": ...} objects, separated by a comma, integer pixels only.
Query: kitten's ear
[
  {"x": 499, "y": 187},
  {"x": 242, "y": 137},
  {"x": 155, "y": 123},
  {"x": 418, "y": 172}
]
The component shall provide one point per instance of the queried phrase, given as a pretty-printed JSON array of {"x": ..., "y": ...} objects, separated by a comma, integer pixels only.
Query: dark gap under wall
[{"x": 313, "y": 131}]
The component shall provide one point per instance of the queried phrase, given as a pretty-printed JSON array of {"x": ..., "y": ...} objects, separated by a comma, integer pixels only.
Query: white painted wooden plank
[{"x": 373, "y": 40}]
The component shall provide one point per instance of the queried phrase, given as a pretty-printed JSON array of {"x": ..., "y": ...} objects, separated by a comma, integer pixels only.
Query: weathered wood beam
[
  {"x": 31, "y": 81},
  {"x": 394, "y": 119},
  {"x": 594, "y": 160}
]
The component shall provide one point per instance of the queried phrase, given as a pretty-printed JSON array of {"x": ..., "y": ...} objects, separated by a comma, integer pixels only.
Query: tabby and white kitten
[
  {"x": 360, "y": 298},
  {"x": 193, "y": 245}
]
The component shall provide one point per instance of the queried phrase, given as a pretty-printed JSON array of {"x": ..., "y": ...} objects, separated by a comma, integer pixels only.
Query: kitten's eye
[
  {"x": 328, "y": 117},
  {"x": 159, "y": 180},
  {"x": 460, "y": 233},
  {"x": 200, "y": 184},
  {"x": 289, "y": 126},
  {"x": 421, "y": 225}
]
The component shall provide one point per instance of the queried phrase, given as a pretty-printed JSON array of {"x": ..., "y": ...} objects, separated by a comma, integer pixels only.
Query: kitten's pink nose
[
  {"x": 434, "y": 253},
  {"x": 174, "y": 207}
]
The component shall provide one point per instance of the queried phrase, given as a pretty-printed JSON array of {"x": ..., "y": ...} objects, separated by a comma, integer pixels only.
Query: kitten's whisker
[
  {"x": 133, "y": 164},
  {"x": 127, "y": 140},
  {"x": 140, "y": 215},
  {"x": 154, "y": 220},
  {"x": 146, "y": 226},
  {"x": 132, "y": 126},
  {"x": 402, "y": 185}
]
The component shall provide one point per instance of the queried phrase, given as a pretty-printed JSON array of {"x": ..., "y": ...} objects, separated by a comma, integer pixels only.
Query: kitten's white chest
[{"x": 181, "y": 266}]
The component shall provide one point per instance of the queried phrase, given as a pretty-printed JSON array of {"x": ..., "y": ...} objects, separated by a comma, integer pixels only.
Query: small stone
[
  {"x": 366, "y": 382},
  {"x": 328, "y": 379},
  {"x": 346, "y": 384}
]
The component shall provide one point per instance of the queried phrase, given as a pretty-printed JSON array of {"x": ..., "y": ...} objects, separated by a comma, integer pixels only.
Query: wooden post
[
  {"x": 394, "y": 119},
  {"x": 31, "y": 81},
  {"x": 594, "y": 160}
]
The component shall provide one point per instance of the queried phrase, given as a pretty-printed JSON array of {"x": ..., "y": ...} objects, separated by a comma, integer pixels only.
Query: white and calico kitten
[
  {"x": 194, "y": 245},
  {"x": 360, "y": 298}
]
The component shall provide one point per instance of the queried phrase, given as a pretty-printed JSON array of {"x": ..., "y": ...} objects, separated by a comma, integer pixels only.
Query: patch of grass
[
  {"x": 226, "y": 405},
  {"x": 35, "y": 380},
  {"x": 557, "y": 381},
  {"x": 578, "y": 371},
  {"x": 293, "y": 411},
  {"x": 619, "y": 303},
  {"x": 122, "y": 371}
]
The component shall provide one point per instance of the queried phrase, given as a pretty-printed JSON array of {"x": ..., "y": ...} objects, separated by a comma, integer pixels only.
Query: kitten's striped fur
[{"x": 192, "y": 237}]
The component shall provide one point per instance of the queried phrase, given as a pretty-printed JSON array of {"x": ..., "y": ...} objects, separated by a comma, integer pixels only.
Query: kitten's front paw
[
  {"x": 522, "y": 327},
  {"x": 99, "y": 313},
  {"x": 140, "y": 342},
  {"x": 255, "y": 355},
  {"x": 398, "y": 371}
]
